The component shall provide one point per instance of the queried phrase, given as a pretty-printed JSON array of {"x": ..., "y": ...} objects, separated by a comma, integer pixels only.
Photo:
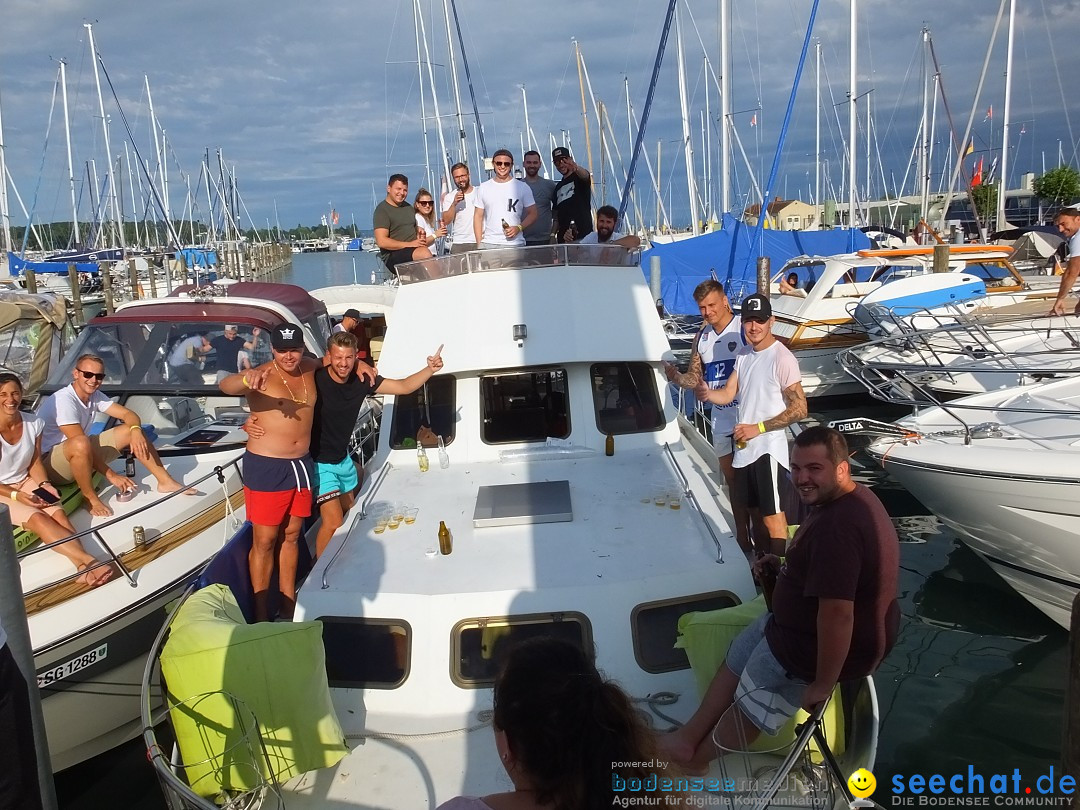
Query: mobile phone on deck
[{"x": 46, "y": 496}]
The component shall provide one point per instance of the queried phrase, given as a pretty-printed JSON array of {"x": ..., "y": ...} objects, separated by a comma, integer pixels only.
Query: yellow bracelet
[
  {"x": 134, "y": 427},
  {"x": 15, "y": 495},
  {"x": 761, "y": 427},
  {"x": 244, "y": 380}
]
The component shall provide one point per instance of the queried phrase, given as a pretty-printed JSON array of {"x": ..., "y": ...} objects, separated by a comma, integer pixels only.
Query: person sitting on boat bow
[
  {"x": 834, "y": 610},
  {"x": 70, "y": 453},
  {"x": 566, "y": 736},
  {"x": 33, "y": 501}
]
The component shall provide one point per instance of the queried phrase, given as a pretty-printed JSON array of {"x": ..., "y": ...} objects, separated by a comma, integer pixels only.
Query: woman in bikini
[{"x": 21, "y": 472}]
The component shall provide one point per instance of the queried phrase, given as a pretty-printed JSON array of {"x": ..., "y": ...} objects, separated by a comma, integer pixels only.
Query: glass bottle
[
  {"x": 609, "y": 445},
  {"x": 444, "y": 459},
  {"x": 421, "y": 458},
  {"x": 446, "y": 542},
  {"x": 129, "y": 464}
]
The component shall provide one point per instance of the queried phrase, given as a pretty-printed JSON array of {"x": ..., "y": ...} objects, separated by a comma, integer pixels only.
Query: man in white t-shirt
[
  {"x": 71, "y": 454},
  {"x": 504, "y": 206},
  {"x": 606, "y": 217},
  {"x": 767, "y": 381},
  {"x": 457, "y": 210},
  {"x": 1067, "y": 221},
  {"x": 716, "y": 346}
]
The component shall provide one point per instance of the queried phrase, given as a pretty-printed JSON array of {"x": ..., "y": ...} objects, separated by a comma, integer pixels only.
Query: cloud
[{"x": 313, "y": 104}]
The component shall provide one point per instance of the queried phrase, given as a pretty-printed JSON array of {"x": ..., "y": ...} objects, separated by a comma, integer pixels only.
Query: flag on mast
[
  {"x": 971, "y": 147},
  {"x": 989, "y": 113},
  {"x": 334, "y": 216},
  {"x": 753, "y": 121},
  {"x": 976, "y": 178}
]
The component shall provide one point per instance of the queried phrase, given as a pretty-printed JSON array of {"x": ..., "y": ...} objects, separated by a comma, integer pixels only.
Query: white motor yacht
[
  {"x": 1002, "y": 469},
  {"x": 578, "y": 504}
]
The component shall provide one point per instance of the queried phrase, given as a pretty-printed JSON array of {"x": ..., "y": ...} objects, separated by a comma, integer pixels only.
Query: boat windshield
[
  {"x": 513, "y": 258},
  {"x": 176, "y": 357}
]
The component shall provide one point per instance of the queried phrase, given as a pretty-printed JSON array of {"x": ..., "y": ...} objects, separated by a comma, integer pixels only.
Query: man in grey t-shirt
[{"x": 543, "y": 189}]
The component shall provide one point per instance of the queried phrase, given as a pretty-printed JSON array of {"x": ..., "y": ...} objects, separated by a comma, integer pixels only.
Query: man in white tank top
[
  {"x": 768, "y": 384},
  {"x": 716, "y": 346}
]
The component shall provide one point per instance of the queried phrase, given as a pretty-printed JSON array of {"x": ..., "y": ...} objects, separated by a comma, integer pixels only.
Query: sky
[{"x": 313, "y": 107}]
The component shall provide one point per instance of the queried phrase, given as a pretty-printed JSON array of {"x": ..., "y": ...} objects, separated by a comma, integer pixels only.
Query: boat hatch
[{"x": 523, "y": 504}]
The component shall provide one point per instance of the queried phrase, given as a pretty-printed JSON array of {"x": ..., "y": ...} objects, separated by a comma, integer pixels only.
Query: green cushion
[
  {"x": 70, "y": 498},
  {"x": 276, "y": 670},
  {"x": 706, "y": 636}
]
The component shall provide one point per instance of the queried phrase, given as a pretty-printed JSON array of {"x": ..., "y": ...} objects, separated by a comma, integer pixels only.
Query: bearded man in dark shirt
[
  {"x": 834, "y": 611},
  {"x": 341, "y": 396}
]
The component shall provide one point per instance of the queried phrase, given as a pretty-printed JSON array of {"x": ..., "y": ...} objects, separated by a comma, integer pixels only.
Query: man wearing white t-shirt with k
[
  {"x": 70, "y": 453},
  {"x": 504, "y": 206},
  {"x": 767, "y": 381}
]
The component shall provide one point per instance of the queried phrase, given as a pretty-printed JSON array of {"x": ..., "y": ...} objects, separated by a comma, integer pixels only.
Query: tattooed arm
[{"x": 794, "y": 410}]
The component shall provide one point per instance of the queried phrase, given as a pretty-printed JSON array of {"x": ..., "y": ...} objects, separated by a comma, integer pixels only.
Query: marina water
[{"x": 977, "y": 677}]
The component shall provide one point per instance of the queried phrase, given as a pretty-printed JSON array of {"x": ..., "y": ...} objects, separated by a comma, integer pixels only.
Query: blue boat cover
[
  {"x": 731, "y": 254},
  {"x": 197, "y": 257},
  {"x": 16, "y": 265}
]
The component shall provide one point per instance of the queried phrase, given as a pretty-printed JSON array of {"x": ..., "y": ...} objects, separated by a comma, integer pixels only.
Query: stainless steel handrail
[
  {"x": 95, "y": 531},
  {"x": 690, "y": 499}
]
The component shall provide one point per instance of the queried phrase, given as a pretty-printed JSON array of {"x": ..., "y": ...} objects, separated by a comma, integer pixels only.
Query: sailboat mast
[
  {"x": 853, "y": 114},
  {"x": 71, "y": 166},
  {"x": 725, "y": 105},
  {"x": 817, "y": 136},
  {"x": 924, "y": 141},
  {"x": 688, "y": 145},
  {"x": 5, "y": 215},
  {"x": 162, "y": 159},
  {"x": 428, "y": 180},
  {"x": 434, "y": 98},
  {"x": 584, "y": 110},
  {"x": 463, "y": 146},
  {"x": 1001, "y": 225},
  {"x": 108, "y": 149},
  {"x": 706, "y": 147}
]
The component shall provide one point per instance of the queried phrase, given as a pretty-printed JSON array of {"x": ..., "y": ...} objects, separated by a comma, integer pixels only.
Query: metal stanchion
[{"x": 13, "y": 615}]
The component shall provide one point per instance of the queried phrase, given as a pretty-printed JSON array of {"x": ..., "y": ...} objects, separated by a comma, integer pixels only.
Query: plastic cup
[
  {"x": 674, "y": 500},
  {"x": 398, "y": 514},
  {"x": 410, "y": 515},
  {"x": 381, "y": 523},
  {"x": 660, "y": 499}
]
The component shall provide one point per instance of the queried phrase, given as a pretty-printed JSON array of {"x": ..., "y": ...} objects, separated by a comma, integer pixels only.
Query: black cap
[
  {"x": 287, "y": 336},
  {"x": 756, "y": 307},
  {"x": 352, "y": 313},
  {"x": 559, "y": 152}
]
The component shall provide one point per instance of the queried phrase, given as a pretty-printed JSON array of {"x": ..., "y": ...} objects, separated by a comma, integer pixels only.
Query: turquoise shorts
[{"x": 334, "y": 479}]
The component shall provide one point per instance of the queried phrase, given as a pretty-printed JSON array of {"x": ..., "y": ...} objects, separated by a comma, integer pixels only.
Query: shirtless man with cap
[{"x": 277, "y": 468}]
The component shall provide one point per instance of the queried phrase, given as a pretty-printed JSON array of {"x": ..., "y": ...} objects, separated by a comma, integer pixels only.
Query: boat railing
[
  {"x": 99, "y": 531},
  {"x": 178, "y": 795},
  {"x": 514, "y": 258},
  {"x": 688, "y": 496}
]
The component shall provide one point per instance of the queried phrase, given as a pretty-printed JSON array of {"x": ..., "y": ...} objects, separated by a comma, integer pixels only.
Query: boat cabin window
[
  {"x": 995, "y": 274},
  {"x": 655, "y": 628},
  {"x": 852, "y": 283},
  {"x": 366, "y": 653},
  {"x": 118, "y": 344},
  {"x": 432, "y": 405},
  {"x": 479, "y": 646},
  {"x": 891, "y": 272},
  {"x": 528, "y": 406},
  {"x": 625, "y": 398}
]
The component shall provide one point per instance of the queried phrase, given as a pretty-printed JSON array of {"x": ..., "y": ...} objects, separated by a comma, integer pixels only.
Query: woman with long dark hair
[{"x": 566, "y": 736}]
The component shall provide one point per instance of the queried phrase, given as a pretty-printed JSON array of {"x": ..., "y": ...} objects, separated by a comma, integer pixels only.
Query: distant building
[{"x": 784, "y": 215}]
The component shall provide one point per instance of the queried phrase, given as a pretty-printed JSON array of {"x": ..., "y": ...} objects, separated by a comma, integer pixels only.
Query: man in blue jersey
[{"x": 716, "y": 344}]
